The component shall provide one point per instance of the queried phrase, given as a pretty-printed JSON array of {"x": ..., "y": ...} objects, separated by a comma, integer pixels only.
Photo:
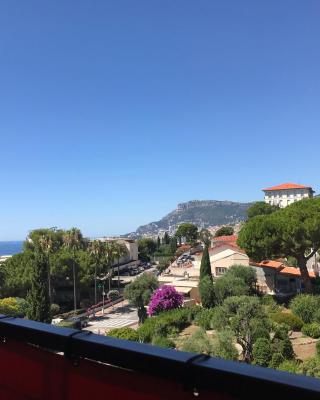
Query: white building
[
  {"x": 286, "y": 194},
  {"x": 130, "y": 244}
]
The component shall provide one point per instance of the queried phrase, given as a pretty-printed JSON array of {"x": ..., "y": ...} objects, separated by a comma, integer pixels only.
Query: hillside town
[{"x": 123, "y": 288}]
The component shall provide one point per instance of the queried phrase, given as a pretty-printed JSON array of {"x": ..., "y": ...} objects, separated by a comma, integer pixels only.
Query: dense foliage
[
  {"x": 292, "y": 231},
  {"x": 124, "y": 333},
  {"x": 224, "y": 231}
]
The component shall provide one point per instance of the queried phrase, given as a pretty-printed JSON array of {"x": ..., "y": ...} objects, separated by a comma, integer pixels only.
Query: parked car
[{"x": 79, "y": 322}]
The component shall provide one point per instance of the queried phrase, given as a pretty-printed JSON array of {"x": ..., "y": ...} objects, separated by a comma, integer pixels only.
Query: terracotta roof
[
  {"x": 220, "y": 246},
  {"x": 295, "y": 271},
  {"x": 270, "y": 264},
  {"x": 285, "y": 186},
  {"x": 226, "y": 238}
]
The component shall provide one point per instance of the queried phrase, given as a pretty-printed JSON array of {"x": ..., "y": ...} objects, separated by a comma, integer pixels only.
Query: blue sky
[{"x": 112, "y": 112}]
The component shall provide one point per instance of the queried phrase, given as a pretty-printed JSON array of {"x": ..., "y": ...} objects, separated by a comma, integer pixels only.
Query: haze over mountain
[{"x": 203, "y": 213}]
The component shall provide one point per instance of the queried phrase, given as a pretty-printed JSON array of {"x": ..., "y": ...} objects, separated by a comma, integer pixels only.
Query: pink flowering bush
[{"x": 163, "y": 299}]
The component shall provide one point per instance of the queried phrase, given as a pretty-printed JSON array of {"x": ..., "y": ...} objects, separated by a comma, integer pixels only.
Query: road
[{"x": 122, "y": 316}]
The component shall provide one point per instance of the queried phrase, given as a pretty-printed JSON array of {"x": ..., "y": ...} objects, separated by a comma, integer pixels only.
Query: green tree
[
  {"x": 146, "y": 248},
  {"x": 158, "y": 243},
  {"x": 246, "y": 318},
  {"x": 38, "y": 296},
  {"x": 166, "y": 238},
  {"x": 262, "y": 352},
  {"x": 305, "y": 306},
  {"x": 292, "y": 231},
  {"x": 224, "y": 346},
  {"x": 187, "y": 231},
  {"x": 73, "y": 240},
  {"x": 205, "y": 266},
  {"x": 247, "y": 274},
  {"x": 173, "y": 245},
  {"x": 205, "y": 236},
  {"x": 229, "y": 285},
  {"x": 97, "y": 250},
  {"x": 206, "y": 291},
  {"x": 139, "y": 293},
  {"x": 120, "y": 250},
  {"x": 224, "y": 231},
  {"x": 261, "y": 208},
  {"x": 199, "y": 342}
]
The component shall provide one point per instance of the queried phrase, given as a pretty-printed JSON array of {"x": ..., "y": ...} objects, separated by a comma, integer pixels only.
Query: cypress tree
[
  {"x": 205, "y": 267},
  {"x": 38, "y": 295},
  {"x": 158, "y": 243}
]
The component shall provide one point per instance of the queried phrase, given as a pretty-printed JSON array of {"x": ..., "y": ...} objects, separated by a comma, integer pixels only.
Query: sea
[{"x": 10, "y": 248}]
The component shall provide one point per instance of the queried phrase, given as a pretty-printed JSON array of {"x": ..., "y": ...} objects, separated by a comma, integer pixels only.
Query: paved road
[{"x": 120, "y": 317}]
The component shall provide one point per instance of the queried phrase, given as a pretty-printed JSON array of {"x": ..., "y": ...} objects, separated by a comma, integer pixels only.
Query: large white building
[{"x": 286, "y": 194}]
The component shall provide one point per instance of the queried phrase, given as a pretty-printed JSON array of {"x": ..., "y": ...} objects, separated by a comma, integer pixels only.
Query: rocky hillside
[{"x": 203, "y": 213}]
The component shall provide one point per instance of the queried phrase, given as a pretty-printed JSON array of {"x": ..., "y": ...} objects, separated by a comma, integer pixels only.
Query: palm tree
[
  {"x": 120, "y": 250},
  {"x": 97, "y": 251},
  {"x": 73, "y": 240},
  {"x": 46, "y": 245}
]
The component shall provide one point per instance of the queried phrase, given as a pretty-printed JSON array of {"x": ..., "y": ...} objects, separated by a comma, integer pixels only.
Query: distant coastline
[{"x": 9, "y": 248}]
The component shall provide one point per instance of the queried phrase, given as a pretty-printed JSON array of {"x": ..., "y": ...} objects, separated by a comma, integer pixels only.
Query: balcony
[{"x": 40, "y": 361}]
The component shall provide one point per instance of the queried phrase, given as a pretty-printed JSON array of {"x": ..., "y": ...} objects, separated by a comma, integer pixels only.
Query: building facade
[{"x": 286, "y": 194}]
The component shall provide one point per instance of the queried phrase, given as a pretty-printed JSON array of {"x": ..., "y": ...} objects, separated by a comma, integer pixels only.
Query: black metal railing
[{"x": 194, "y": 371}]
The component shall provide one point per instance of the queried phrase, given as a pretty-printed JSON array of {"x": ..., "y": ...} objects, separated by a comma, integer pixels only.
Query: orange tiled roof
[
  {"x": 270, "y": 264},
  {"x": 226, "y": 238},
  {"x": 285, "y": 186},
  {"x": 295, "y": 271}
]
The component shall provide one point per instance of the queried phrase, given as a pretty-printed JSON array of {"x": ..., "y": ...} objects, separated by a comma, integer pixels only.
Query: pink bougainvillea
[{"x": 163, "y": 299}]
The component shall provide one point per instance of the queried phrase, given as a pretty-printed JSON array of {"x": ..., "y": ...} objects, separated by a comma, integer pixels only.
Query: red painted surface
[{"x": 27, "y": 372}]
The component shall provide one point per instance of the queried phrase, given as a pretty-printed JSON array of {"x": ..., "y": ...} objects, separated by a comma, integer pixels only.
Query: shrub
[
  {"x": 199, "y": 342},
  {"x": 206, "y": 291},
  {"x": 276, "y": 360},
  {"x": 305, "y": 307},
  {"x": 163, "y": 342},
  {"x": 284, "y": 347},
  {"x": 224, "y": 347},
  {"x": 163, "y": 299},
  {"x": 247, "y": 274},
  {"x": 169, "y": 322},
  {"x": 204, "y": 318},
  {"x": 55, "y": 309},
  {"x": 13, "y": 306},
  {"x": 311, "y": 367},
  {"x": 312, "y": 330},
  {"x": 262, "y": 352},
  {"x": 294, "y": 322},
  {"x": 124, "y": 333},
  {"x": 219, "y": 319},
  {"x": 289, "y": 366}
]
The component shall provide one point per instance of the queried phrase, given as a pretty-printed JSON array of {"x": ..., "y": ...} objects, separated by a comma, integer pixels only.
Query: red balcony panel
[{"x": 27, "y": 372}]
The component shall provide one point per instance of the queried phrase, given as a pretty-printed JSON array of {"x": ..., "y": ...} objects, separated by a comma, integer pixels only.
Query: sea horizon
[{"x": 10, "y": 247}]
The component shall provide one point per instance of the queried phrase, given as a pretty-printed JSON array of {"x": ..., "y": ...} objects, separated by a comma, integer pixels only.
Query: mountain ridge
[{"x": 203, "y": 213}]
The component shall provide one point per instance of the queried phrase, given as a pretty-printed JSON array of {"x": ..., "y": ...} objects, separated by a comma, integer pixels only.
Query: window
[{"x": 220, "y": 270}]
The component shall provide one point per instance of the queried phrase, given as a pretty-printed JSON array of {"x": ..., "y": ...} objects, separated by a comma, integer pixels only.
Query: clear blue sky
[{"x": 112, "y": 112}]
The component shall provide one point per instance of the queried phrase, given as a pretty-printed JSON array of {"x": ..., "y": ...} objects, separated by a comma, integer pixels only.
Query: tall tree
[
  {"x": 139, "y": 293},
  {"x": 224, "y": 231},
  {"x": 158, "y": 243},
  {"x": 38, "y": 296},
  {"x": 205, "y": 236},
  {"x": 187, "y": 231},
  {"x": 120, "y": 250},
  {"x": 97, "y": 251},
  {"x": 292, "y": 231},
  {"x": 261, "y": 208},
  {"x": 173, "y": 245},
  {"x": 205, "y": 266},
  {"x": 166, "y": 238},
  {"x": 73, "y": 240}
]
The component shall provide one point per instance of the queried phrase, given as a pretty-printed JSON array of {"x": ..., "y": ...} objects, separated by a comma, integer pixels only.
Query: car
[{"x": 79, "y": 321}]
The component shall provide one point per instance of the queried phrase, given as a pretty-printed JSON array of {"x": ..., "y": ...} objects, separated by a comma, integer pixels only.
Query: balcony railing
[{"x": 40, "y": 361}]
